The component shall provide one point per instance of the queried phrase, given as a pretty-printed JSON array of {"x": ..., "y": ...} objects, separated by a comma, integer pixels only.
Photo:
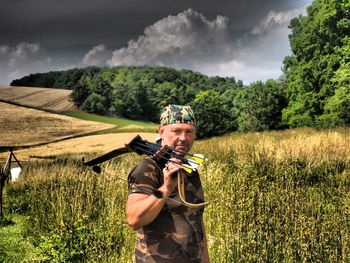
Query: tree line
[
  {"x": 318, "y": 72},
  {"x": 221, "y": 105},
  {"x": 313, "y": 91}
]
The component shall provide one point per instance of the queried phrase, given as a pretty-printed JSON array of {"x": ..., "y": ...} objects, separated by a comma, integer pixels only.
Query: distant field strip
[
  {"x": 121, "y": 123},
  {"x": 40, "y": 98},
  {"x": 101, "y": 143},
  {"x": 23, "y": 126}
]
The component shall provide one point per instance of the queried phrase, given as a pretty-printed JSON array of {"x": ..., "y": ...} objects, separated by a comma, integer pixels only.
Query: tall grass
[
  {"x": 75, "y": 215},
  {"x": 275, "y": 197}
]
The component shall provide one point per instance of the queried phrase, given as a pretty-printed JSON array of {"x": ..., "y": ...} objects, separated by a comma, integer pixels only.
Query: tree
[
  {"x": 258, "y": 107},
  {"x": 319, "y": 46},
  {"x": 213, "y": 119},
  {"x": 94, "y": 103}
]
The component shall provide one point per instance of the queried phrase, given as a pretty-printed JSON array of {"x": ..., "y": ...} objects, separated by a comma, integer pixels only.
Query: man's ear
[{"x": 161, "y": 130}]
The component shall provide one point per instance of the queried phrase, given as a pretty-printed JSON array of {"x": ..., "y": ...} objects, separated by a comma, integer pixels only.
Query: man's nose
[{"x": 182, "y": 136}]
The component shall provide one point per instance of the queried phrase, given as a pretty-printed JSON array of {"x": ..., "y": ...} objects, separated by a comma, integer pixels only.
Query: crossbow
[{"x": 157, "y": 151}]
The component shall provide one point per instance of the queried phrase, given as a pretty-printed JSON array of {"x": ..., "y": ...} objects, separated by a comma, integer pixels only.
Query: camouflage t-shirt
[{"x": 176, "y": 234}]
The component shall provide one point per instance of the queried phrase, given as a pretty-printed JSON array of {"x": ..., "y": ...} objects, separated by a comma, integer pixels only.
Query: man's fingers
[{"x": 171, "y": 169}]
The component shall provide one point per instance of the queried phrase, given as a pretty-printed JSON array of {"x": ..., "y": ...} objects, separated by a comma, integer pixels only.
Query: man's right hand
[{"x": 170, "y": 176}]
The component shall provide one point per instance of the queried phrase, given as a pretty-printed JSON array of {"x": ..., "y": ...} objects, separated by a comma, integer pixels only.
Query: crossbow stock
[{"x": 140, "y": 146}]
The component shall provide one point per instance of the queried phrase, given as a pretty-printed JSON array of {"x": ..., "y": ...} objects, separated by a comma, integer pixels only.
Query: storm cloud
[
  {"x": 19, "y": 60},
  {"x": 191, "y": 41},
  {"x": 247, "y": 39},
  {"x": 181, "y": 41}
]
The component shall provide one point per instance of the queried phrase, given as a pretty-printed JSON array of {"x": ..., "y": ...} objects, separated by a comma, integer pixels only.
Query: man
[{"x": 168, "y": 230}]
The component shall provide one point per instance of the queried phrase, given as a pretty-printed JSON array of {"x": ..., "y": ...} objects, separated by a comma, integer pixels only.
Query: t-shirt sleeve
[{"x": 145, "y": 175}]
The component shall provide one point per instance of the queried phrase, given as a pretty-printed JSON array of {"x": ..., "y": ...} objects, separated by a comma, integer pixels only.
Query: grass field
[
  {"x": 21, "y": 126},
  {"x": 39, "y": 98},
  {"x": 122, "y": 124},
  {"x": 274, "y": 197},
  {"x": 24, "y": 126},
  {"x": 93, "y": 144}
]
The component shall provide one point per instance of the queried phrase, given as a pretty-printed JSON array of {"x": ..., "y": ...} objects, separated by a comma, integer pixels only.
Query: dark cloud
[
  {"x": 83, "y": 32},
  {"x": 190, "y": 41},
  {"x": 77, "y": 22},
  {"x": 14, "y": 61},
  {"x": 180, "y": 41}
]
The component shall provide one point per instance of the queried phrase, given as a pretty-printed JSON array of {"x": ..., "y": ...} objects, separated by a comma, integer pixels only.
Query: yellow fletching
[
  {"x": 187, "y": 169},
  {"x": 198, "y": 159}
]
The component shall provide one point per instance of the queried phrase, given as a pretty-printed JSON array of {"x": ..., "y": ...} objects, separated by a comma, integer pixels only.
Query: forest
[{"x": 313, "y": 90}]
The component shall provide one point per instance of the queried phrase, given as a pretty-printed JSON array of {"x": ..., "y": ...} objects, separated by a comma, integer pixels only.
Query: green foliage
[
  {"x": 66, "y": 79},
  {"x": 301, "y": 112},
  {"x": 78, "y": 242},
  {"x": 318, "y": 66},
  {"x": 94, "y": 103},
  {"x": 76, "y": 218},
  {"x": 213, "y": 118},
  {"x": 258, "y": 107},
  {"x": 337, "y": 108},
  {"x": 14, "y": 245}
]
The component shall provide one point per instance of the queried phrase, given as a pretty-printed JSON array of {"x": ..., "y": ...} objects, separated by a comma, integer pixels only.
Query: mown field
[
  {"x": 92, "y": 144},
  {"x": 22, "y": 126},
  {"x": 275, "y": 197},
  {"x": 41, "y": 98}
]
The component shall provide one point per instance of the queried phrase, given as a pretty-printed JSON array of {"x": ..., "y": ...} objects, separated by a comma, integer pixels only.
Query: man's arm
[{"x": 142, "y": 209}]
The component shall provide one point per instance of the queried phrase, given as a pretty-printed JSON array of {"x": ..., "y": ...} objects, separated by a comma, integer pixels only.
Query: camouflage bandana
[{"x": 177, "y": 114}]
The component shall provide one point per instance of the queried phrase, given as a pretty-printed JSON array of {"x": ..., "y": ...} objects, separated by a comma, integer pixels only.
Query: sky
[{"x": 244, "y": 39}]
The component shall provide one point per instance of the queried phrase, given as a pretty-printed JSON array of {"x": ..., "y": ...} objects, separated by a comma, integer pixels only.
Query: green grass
[
  {"x": 119, "y": 122},
  {"x": 14, "y": 246},
  {"x": 278, "y": 196}
]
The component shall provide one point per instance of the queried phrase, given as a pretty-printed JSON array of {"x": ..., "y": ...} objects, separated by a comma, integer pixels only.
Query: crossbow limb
[{"x": 141, "y": 146}]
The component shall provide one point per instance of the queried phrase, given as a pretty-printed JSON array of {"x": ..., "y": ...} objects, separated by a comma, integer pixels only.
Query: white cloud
[
  {"x": 18, "y": 61},
  {"x": 189, "y": 40},
  {"x": 247, "y": 72},
  {"x": 182, "y": 41},
  {"x": 259, "y": 54},
  {"x": 275, "y": 21},
  {"x": 97, "y": 56}
]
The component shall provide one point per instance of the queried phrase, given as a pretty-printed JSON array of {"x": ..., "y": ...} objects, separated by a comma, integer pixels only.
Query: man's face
[{"x": 179, "y": 136}]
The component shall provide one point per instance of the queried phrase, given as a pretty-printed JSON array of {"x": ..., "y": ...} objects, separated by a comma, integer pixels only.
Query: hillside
[
  {"x": 40, "y": 98},
  {"x": 21, "y": 126}
]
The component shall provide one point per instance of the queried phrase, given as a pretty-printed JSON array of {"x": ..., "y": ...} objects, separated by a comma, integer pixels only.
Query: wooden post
[
  {"x": 2, "y": 183},
  {"x": 4, "y": 173}
]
